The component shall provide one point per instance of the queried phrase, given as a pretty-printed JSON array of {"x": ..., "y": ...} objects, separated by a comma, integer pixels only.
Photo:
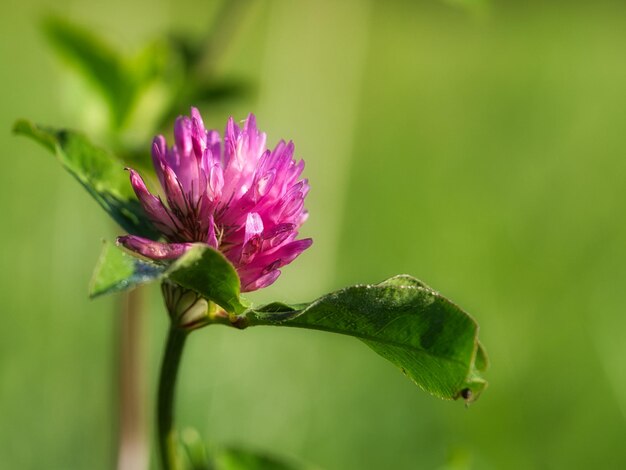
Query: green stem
[{"x": 167, "y": 384}]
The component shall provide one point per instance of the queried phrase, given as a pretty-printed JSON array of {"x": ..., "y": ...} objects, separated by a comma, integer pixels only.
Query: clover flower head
[{"x": 235, "y": 195}]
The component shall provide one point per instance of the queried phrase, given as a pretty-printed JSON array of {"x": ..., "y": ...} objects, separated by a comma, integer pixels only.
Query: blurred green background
[{"x": 478, "y": 146}]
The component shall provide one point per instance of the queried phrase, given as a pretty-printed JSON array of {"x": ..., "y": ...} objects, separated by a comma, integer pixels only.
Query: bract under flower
[{"x": 235, "y": 195}]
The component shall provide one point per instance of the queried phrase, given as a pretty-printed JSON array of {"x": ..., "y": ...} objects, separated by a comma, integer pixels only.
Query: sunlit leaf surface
[
  {"x": 118, "y": 271},
  {"x": 429, "y": 338},
  {"x": 207, "y": 272}
]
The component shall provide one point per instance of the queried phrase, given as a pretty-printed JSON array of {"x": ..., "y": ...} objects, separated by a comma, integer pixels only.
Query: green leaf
[
  {"x": 207, "y": 272},
  {"x": 187, "y": 48},
  {"x": 481, "y": 362},
  {"x": 118, "y": 271},
  {"x": 209, "y": 92},
  {"x": 201, "y": 269},
  {"x": 214, "y": 92},
  {"x": 101, "y": 174},
  {"x": 201, "y": 456},
  {"x": 239, "y": 458},
  {"x": 428, "y": 337},
  {"x": 195, "y": 451},
  {"x": 97, "y": 62}
]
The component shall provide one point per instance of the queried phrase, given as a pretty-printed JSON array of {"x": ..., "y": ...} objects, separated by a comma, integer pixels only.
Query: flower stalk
[{"x": 168, "y": 445}]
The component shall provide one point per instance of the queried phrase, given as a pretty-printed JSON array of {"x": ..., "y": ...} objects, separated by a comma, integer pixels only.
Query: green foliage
[
  {"x": 100, "y": 173},
  {"x": 199, "y": 456},
  {"x": 239, "y": 458},
  {"x": 201, "y": 269},
  {"x": 207, "y": 272},
  {"x": 118, "y": 271},
  {"x": 211, "y": 91},
  {"x": 428, "y": 337},
  {"x": 104, "y": 67},
  {"x": 122, "y": 79}
]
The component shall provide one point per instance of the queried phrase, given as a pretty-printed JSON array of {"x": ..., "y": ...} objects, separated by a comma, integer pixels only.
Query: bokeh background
[{"x": 476, "y": 145}]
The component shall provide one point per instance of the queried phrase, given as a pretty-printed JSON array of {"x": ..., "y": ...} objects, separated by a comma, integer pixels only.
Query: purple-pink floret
[{"x": 236, "y": 196}]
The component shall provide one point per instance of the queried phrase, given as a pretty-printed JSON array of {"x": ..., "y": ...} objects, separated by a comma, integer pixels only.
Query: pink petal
[
  {"x": 151, "y": 249},
  {"x": 173, "y": 190},
  {"x": 252, "y": 238},
  {"x": 263, "y": 184},
  {"x": 231, "y": 135},
  {"x": 212, "y": 238},
  {"x": 159, "y": 150},
  {"x": 270, "y": 262},
  {"x": 254, "y": 139},
  {"x": 182, "y": 135},
  {"x": 195, "y": 114},
  {"x": 198, "y": 137},
  {"x": 260, "y": 282},
  {"x": 152, "y": 205},
  {"x": 214, "y": 143},
  {"x": 278, "y": 235},
  {"x": 215, "y": 181},
  {"x": 287, "y": 253}
]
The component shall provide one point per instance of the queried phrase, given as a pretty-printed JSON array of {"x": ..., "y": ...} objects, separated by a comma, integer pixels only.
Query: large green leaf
[
  {"x": 428, "y": 337},
  {"x": 118, "y": 271},
  {"x": 207, "y": 272},
  {"x": 97, "y": 62},
  {"x": 98, "y": 171}
]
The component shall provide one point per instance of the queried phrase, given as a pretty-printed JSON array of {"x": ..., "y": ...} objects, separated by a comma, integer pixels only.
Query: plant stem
[{"x": 165, "y": 409}]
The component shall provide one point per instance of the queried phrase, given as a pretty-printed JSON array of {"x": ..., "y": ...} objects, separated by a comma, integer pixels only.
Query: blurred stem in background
[
  {"x": 133, "y": 438},
  {"x": 184, "y": 70}
]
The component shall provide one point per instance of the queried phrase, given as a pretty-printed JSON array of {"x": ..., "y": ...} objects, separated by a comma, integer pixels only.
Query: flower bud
[{"x": 186, "y": 308}]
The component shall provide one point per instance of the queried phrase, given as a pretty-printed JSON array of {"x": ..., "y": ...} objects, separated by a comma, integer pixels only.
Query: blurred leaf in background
[
  {"x": 144, "y": 92},
  {"x": 118, "y": 80},
  {"x": 201, "y": 456}
]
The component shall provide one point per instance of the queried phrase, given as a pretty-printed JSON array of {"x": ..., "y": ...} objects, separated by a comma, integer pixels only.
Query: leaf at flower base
[
  {"x": 118, "y": 271},
  {"x": 97, "y": 62},
  {"x": 101, "y": 174},
  {"x": 207, "y": 272},
  {"x": 428, "y": 337}
]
